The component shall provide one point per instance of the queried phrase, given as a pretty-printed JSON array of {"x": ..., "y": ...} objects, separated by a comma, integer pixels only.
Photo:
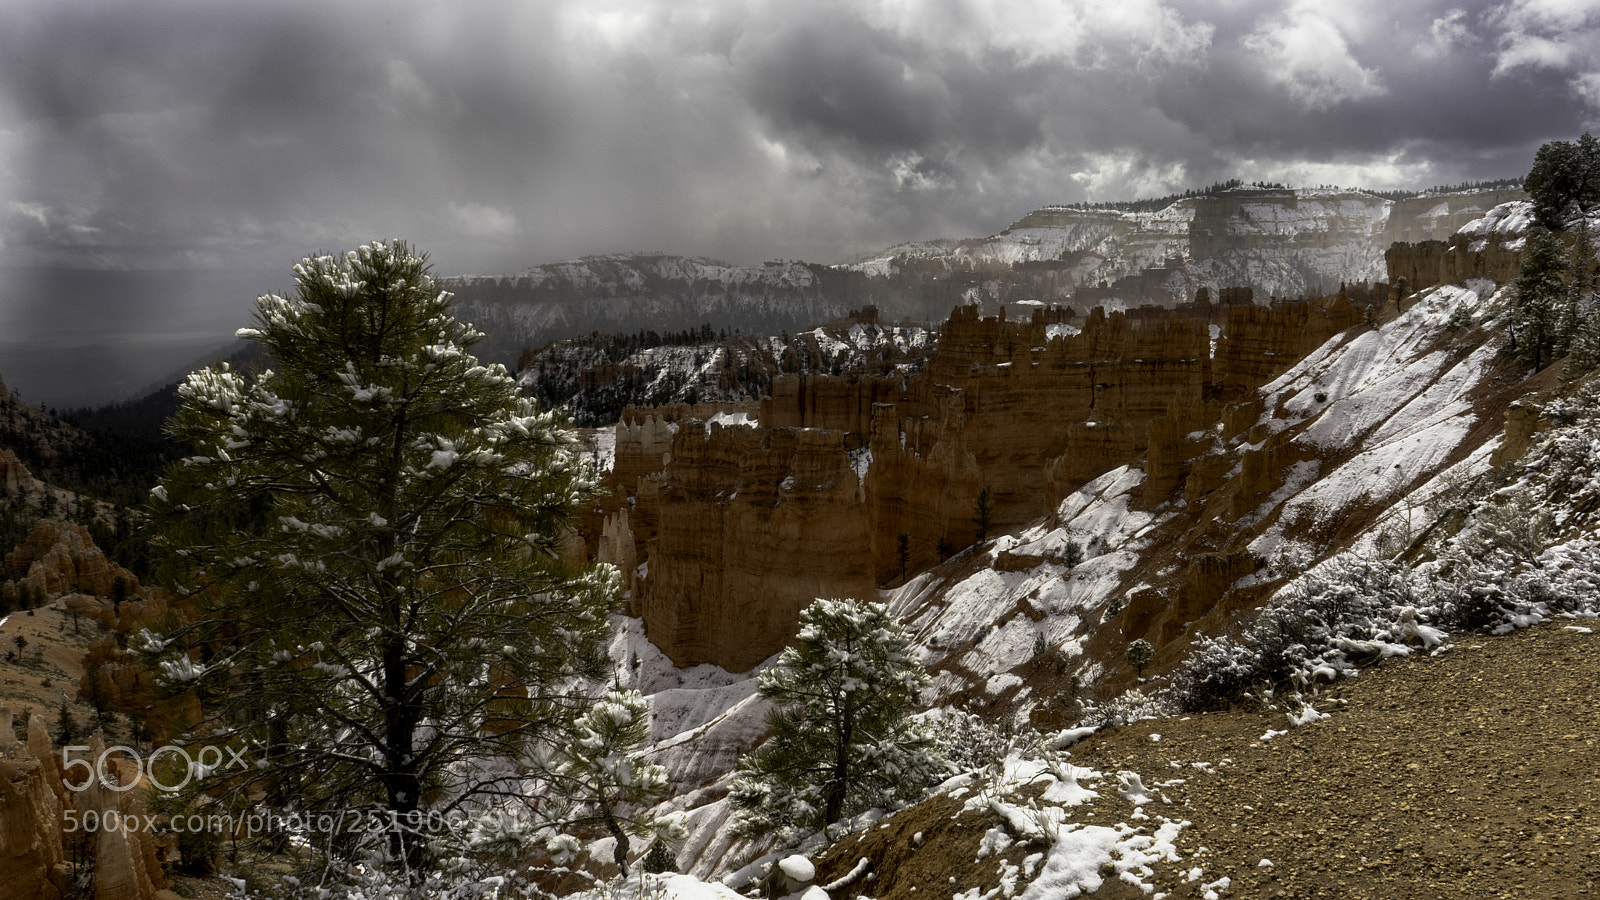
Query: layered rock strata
[
  {"x": 739, "y": 528},
  {"x": 33, "y": 840},
  {"x": 754, "y": 525}
]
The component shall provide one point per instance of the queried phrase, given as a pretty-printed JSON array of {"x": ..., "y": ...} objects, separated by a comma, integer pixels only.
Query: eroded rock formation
[
  {"x": 739, "y": 528},
  {"x": 15, "y": 479},
  {"x": 754, "y": 525},
  {"x": 59, "y": 557},
  {"x": 127, "y": 860}
]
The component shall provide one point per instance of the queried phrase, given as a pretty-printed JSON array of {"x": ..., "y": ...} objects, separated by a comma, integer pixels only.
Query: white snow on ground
[
  {"x": 1381, "y": 391},
  {"x": 968, "y": 621},
  {"x": 1079, "y": 853},
  {"x": 1370, "y": 378},
  {"x": 1508, "y": 223},
  {"x": 732, "y": 420},
  {"x": 1077, "y": 857}
]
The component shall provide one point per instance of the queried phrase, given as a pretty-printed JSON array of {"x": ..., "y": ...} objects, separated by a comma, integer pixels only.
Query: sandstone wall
[
  {"x": 59, "y": 557},
  {"x": 742, "y": 527},
  {"x": 1260, "y": 342},
  {"x": 15, "y": 479},
  {"x": 1427, "y": 263},
  {"x": 754, "y": 524},
  {"x": 33, "y": 862}
]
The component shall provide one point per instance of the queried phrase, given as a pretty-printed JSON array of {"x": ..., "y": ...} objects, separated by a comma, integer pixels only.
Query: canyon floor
[{"x": 1473, "y": 772}]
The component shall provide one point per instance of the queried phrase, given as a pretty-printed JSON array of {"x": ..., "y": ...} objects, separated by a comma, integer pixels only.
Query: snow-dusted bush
[
  {"x": 973, "y": 743},
  {"x": 1129, "y": 706},
  {"x": 1139, "y": 654},
  {"x": 1346, "y": 612}
]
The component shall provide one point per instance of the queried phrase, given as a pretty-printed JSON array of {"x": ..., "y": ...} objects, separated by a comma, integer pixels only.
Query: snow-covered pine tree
[
  {"x": 368, "y": 540},
  {"x": 841, "y": 737},
  {"x": 1536, "y": 311},
  {"x": 600, "y": 781}
]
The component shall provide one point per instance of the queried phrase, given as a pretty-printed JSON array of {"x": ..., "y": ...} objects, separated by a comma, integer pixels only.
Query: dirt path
[{"x": 1475, "y": 773}]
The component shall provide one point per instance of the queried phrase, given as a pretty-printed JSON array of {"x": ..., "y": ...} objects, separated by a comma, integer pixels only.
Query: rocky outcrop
[
  {"x": 741, "y": 527},
  {"x": 30, "y": 822},
  {"x": 127, "y": 865},
  {"x": 617, "y": 546},
  {"x": 755, "y": 524},
  {"x": 1436, "y": 217},
  {"x": 1260, "y": 342},
  {"x": 59, "y": 557},
  {"x": 127, "y": 860},
  {"x": 642, "y": 449},
  {"x": 839, "y": 403},
  {"x": 15, "y": 479},
  {"x": 1455, "y": 261}
]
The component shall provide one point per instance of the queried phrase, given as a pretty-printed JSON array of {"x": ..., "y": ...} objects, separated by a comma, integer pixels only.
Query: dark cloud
[{"x": 192, "y": 134}]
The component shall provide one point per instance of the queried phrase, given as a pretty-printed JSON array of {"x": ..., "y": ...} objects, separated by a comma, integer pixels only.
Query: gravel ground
[{"x": 1475, "y": 773}]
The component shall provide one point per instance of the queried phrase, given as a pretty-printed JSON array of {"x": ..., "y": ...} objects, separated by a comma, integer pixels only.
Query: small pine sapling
[
  {"x": 842, "y": 738},
  {"x": 983, "y": 513},
  {"x": 1139, "y": 655},
  {"x": 602, "y": 775}
]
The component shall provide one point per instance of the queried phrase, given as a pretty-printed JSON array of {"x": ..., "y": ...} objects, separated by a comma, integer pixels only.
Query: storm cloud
[{"x": 205, "y": 135}]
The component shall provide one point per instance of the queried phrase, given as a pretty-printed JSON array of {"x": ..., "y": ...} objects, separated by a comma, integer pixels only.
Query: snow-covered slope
[
  {"x": 1370, "y": 433},
  {"x": 1357, "y": 447},
  {"x": 1280, "y": 242}
]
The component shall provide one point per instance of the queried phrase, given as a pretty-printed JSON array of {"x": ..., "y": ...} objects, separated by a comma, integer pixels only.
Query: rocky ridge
[
  {"x": 817, "y": 497},
  {"x": 1280, "y": 242}
]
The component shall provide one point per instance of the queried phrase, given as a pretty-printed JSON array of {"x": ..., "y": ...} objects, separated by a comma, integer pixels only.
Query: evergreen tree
[
  {"x": 1564, "y": 180},
  {"x": 369, "y": 541},
  {"x": 841, "y": 737},
  {"x": 659, "y": 859},
  {"x": 1536, "y": 314},
  {"x": 66, "y": 728},
  {"x": 1583, "y": 310},
  {"x": 1139, "y": 654},
  {"x": 603, "y": 777},
  {"x": 983, "y": 513}
]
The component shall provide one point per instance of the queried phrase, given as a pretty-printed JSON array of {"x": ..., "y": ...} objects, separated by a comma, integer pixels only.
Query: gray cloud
[{"x": 181, "y": 135}]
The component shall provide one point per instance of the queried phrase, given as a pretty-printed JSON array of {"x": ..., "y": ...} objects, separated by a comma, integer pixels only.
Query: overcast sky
[{"x": 242, "y": 135}]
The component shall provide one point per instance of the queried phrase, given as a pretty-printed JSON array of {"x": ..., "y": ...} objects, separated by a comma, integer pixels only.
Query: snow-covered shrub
[
  {"x": 1517, "y": 526},
  {"x": 1347, "y": 611},
  {"x": 973, "y": 743},
  {"x": 1129, "y": 706}
]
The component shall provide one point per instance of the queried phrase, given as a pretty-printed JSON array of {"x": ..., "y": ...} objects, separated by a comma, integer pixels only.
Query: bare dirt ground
[
  {"x": 1473, "y": 773},
  {"x": 34, "y": 680}
]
